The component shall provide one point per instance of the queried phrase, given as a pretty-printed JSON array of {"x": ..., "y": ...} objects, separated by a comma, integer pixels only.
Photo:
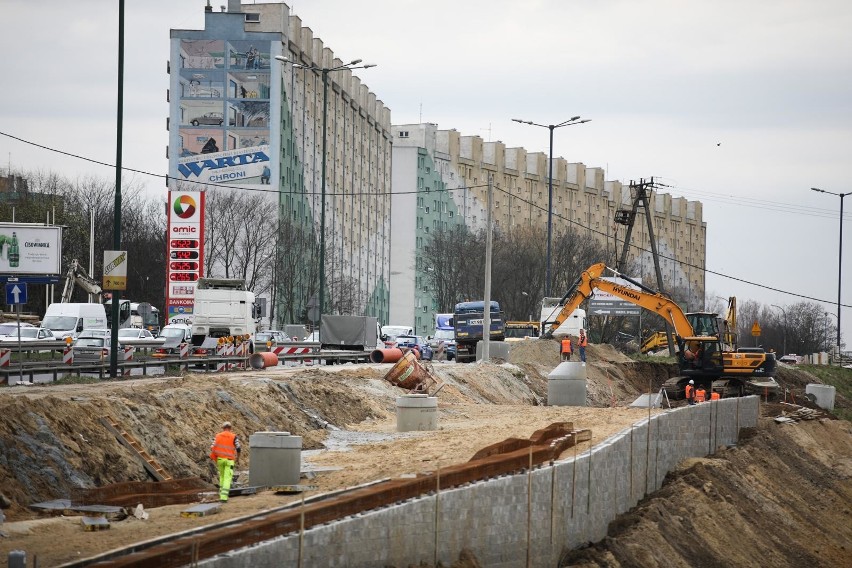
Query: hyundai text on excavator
[{"x": 705, "y": 352}]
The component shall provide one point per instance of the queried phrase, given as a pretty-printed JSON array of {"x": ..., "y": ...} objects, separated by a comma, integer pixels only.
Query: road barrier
[{"x": 5, "y": 357}]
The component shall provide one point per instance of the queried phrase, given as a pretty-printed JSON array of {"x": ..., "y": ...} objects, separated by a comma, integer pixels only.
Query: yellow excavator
[{"x": 705, "y": 353}]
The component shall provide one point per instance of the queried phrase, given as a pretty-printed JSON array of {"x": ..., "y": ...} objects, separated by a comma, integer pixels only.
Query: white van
[
  {"x": 550, "y": 309},
  {"x": 389, "y": 333},
  {"x": 67, "y": 320}
]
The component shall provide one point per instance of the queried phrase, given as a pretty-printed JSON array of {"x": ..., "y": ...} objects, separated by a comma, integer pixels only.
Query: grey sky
[{"x": 663, "y": 82}]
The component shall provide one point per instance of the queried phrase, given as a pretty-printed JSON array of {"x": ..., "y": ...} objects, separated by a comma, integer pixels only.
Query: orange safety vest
[
  {"x": 566, "y": 346},
  {"x": 700, "y": 395},
  {"x": 714, "y": 396},
  {"x": 223, "y": 446},
  {"x": 584, "y": 341},
  {"x": 690, "y": 392}
]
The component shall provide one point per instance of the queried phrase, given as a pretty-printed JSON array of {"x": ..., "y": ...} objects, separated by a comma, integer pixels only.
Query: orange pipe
[
  {"x": 386, "y": 355},
  {"x": 263, "y": 360}
]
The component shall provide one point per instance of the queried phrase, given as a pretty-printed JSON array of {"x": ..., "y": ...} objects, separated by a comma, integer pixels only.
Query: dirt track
[{"x": 53, "y": 441}]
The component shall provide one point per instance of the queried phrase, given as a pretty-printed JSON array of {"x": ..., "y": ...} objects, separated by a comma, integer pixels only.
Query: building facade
[
  {"x": 440, "y": 180},
  {"x": 243, "y": 121}
]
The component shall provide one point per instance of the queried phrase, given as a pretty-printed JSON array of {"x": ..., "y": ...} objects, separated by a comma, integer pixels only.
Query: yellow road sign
[{"x": 755, "y": 329}]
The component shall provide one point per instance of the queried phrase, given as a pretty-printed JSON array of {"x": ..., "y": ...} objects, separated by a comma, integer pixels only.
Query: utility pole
[
  {"x": 486, "y": 309},
  {"x": 641, "y": 193}
]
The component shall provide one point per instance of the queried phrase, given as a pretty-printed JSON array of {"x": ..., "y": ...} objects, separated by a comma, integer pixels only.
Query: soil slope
[{"x": 52, "y": 440}]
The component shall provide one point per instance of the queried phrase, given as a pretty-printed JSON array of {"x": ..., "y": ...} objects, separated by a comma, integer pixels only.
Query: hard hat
[
  {"x": 226, "y": 425},
  {"x": 691, "y": 382}
]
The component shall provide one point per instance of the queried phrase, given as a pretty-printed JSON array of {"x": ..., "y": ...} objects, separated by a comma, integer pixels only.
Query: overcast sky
[{"x": 743, "y": 105}]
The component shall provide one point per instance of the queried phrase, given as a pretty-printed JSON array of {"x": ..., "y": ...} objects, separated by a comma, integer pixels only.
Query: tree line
[{"x": 280, "y": 258}]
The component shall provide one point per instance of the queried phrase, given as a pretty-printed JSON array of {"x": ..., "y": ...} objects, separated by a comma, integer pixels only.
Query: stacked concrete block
[{"x": 568, "y": 504}]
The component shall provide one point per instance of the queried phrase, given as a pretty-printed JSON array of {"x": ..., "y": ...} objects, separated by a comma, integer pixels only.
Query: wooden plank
[{"x": 154, "y": 469}]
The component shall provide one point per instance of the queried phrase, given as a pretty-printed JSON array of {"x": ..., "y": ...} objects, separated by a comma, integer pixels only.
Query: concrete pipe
[
  {"x": 386, "y": 355},
  {"x": 263, "y": 360}
]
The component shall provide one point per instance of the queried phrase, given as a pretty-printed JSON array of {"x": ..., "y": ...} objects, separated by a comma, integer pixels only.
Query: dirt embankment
[{"x": 52, "y": 440}]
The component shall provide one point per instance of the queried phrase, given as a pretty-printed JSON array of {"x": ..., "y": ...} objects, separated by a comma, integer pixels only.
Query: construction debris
[
  {"x": 293, "y": 488},
  {"x": 792, "y": 413},
  {"x": 202, "y": 510},
  {"x": 140, "y": 513},
  {"x": 94, "y": 523}
]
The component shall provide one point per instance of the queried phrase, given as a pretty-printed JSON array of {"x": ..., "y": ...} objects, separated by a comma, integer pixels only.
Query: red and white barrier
[
  {"x": 68, "y": 355},
  {"x": 129, "y": 350},
  {"x": 221, "y": 350},
  {"x": 5, "y": 357},
  {"x": 183, "y": 350}
]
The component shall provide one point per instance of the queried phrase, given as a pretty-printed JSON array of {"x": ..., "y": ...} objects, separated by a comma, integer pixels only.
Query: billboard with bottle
[{"x": 30, "y": 248}]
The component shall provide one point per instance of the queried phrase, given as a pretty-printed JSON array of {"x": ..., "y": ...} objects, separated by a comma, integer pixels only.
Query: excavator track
[{"x": 675, "y": 387}]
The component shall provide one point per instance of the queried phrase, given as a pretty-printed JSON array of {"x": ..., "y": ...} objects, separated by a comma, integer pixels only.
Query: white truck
[
  {"x": 550, "y": 308},
  {"x": 223, "y": 308}
]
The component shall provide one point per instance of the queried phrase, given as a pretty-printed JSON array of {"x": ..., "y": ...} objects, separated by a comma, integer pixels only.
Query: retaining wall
[{"x": 512, "y": 519}]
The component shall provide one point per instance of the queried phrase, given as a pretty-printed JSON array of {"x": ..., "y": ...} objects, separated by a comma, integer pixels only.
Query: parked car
[
  {"x": 273, "y": 335},
  {"x": 28, "y": 334},
  {"x": 415, "y": 341},
  {"x": 11, "y": 327},
  {"x": 444, "y": 338},
  {"x": 134, "y": 333},
  {"x": 210, "y": 118},
  {"x": 93, "y": 332},
  {"x": 91, "y": 348}
]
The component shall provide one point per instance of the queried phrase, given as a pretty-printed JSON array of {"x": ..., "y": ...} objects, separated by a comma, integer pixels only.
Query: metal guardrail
[{"x": 56, "y": 368}]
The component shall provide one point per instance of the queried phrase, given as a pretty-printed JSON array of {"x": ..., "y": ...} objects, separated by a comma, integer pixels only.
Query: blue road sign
[{"x": 16, "y": 293}]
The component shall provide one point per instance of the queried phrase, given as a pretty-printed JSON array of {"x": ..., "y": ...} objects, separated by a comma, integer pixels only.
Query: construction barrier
[
  {"x": 221, "y": 351},
  {"x": 386, "y": 355},
  {"x": 68, "y": 355},
  {"x": 128, "y": 356},
  {"x": 263, "y": 360},
  {"x": 183, "y": 350},
  {"x": 5, "y": 357}
]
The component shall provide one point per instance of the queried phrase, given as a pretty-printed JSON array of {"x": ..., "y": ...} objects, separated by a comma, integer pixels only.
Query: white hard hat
[
  {"x": 691, "y": 382},
  {"x": 226, "y": 425}
]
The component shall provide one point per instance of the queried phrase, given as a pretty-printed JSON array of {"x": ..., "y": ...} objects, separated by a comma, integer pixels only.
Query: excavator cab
[
  {"x": 704, "y": 323},
  {"x": 700, "y": 357}
]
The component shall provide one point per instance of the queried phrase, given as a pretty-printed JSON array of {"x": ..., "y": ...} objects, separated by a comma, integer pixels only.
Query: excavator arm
[
  {"x": 77, "y": 277},
  {"x": 591, "y": 280}
]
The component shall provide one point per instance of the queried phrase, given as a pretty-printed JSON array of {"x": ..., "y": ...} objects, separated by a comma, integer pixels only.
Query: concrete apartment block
[{"x": 535, "y": 515}]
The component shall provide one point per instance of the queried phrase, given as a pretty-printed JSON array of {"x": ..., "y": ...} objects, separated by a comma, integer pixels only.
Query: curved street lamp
[
  {"x": 324, "y": 71},
  {"x": 570, "y": 122},
  {"x": 839, "y": 258}
]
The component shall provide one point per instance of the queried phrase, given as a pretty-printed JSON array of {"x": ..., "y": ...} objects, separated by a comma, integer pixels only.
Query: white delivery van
[
  {"x": 389, "y": 333},
  {"x": 67, "y": 320}
]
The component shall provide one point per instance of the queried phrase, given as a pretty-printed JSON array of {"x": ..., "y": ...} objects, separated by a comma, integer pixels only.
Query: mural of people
[
  {"x": 210, "y": 147},
  {"x": 252, "y": 58},
  {"x": 264, "y": 177}
]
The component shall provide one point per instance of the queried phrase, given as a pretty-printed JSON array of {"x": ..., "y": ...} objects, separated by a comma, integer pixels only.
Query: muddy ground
[{"x": 52, "y": 439}]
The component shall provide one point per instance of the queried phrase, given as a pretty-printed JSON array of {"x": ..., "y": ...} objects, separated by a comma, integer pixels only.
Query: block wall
[{"x": 531, "y": 516}]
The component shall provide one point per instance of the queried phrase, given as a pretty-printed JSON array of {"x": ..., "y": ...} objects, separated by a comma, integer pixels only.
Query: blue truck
[{"x": 467, "y": 325}]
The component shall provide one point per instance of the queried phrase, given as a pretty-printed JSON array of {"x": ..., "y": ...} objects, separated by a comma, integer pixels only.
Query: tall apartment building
[
  {"x": 440, "y": 180},
  {"x": 257, "y": 125}
]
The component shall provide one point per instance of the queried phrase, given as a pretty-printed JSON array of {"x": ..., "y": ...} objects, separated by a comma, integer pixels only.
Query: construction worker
[
  {"x": 225, "y": 453},
  {"x": 566, "y": 349},
  {"x": 700, "y": 394},
  {"x": 715, "y": 395},
  {"x": 690, "y": 393},
  {"x": 582, "y": 342}
]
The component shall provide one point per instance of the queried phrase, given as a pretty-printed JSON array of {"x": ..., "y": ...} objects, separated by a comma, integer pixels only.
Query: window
[
  {"x": 252, "y": 18},
  {"x": 403, "y": 133}
]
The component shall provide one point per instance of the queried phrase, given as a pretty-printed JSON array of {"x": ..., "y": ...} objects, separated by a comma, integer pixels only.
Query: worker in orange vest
[
  {"x": 715, "y": 396},
  {"x": 225, "y": 453},
  {"x": 582, "y": 342},
  {"x": 690, "y": 393},
  {"x": 700, "y": 394},
  {"x": 566, "y": 349}
]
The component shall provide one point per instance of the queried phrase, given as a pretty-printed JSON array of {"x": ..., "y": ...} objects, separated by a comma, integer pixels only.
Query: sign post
[
  {"x": 755, "y": 331},
  {"x": 16, "y": 295}
]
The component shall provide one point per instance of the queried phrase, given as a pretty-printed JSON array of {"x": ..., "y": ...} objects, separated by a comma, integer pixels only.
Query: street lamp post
[
  {"x": 785, "y": 328},
  {"x": 839, "y": 258},
  {"x": 570, "y": 122},
  {"x": 324, "y": 71}
]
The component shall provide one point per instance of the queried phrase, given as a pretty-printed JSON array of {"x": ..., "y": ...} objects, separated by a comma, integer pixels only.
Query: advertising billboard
[
  {"x": 30, "y": 248},
  {"x": 605, "y": 304},
  {"x": 185, "y": 253}
]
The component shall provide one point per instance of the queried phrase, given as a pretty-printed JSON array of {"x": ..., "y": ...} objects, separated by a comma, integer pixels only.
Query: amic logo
[{"x": 184, "y": 206}]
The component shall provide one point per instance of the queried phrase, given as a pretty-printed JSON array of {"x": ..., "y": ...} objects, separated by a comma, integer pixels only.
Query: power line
[
  {"x": 639, "y": 248},
  {"x": 570, "y": 221}
]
